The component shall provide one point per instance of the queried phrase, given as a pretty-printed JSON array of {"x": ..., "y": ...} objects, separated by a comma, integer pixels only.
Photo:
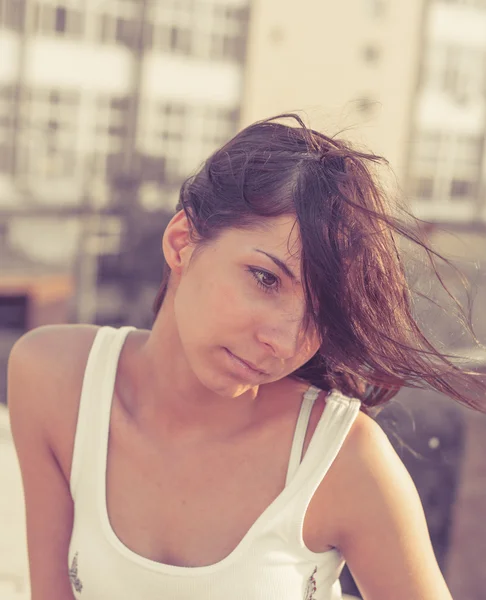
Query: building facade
[
  {"x": 107, "y": 104},
  {"x": 447, "y": 169},
  {"x": 349, "y": 67},
  {"x": 404, "y": 79},
  {"x": 105, "y": 100}
]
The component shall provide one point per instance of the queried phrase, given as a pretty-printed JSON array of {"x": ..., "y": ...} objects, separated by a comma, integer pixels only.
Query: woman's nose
[{"x": 282, "y": 339}]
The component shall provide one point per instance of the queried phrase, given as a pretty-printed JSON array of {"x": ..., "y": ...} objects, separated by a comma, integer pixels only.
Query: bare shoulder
[
  {"x": 45, "y": 373},
  {"x": 52, "y": 358},
  {"x": 52, "y": 338},
  {"x": 367, "y": 444},
  {"x": 382, "y": 530},
  {"x": 369, "y": 466},
  {"x": 361, "y": 470},
  {"x": 381, "y": 527}
]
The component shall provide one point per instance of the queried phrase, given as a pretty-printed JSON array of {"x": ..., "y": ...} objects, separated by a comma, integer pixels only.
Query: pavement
[{"x": 14, "y": 580}]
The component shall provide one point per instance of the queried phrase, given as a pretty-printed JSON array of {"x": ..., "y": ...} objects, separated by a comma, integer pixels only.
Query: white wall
[
  {"x": 188, "y": 80},
  {"x": 65, "y": 63},
  {"x": 435, "y": 110},
  {"x": 310, "y": 56},
  {"x": 457, "y": 23},
  {"x": 53, "y": 241},
  {"x": 8, "y": 56}
]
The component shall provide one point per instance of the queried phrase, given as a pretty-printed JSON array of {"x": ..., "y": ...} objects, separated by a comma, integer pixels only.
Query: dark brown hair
[{"x": 354, "y": 278}]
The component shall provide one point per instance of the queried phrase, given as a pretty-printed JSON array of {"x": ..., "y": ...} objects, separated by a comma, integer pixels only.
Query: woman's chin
[{"x": 226, "y": 387}]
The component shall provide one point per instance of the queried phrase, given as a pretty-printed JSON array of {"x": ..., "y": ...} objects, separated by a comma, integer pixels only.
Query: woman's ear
[{"x": 176, "y": 242}]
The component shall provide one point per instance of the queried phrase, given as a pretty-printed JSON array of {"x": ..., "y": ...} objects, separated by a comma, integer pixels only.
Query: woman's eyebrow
[{"x": 281, "y": 264}]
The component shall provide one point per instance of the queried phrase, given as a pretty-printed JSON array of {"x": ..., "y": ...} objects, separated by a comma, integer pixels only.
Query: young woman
[{"x": 227, "y": 452}]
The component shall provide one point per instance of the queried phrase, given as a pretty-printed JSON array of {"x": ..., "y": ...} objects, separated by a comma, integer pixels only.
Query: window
[
  {"x": 107, "y": 27},
  {"x": 461, "y": 189},
  {"x": 119, "y": 23},
  {"x": 466, "y": 167},
  {"x": 170, "y": 121},
  {"x": 6, "y": 109},
  {"x": 174, "y": 26},
  {"x": 469, "y": 151},
  {"x": 180, "y": 40},
  {"x": 423, "y": 188},
  {"x": 49, "y": 123},
  {"x": 426, "y": 158},
  {"x": 445, "y": 166},
  {"x": 184, "y": 135},
  {"x": 228, "y": 33},
  {"x": 371, "y": 53},
  {"x": 6, "y": 105},
  {"x": 219, "y": 126},
  {"x": 453, "y": 74},
  {"x": 427, "y": 148},
  {"x": 376, "y": 8},
  {"x": 59, "y": 19},
  {"x": 210, "y": 127},
  {"x": 111, "y": 131},
  {"x": 126, "y": 32},
  {"x": 12, "y": 14},
  {"x": 210, "y": 30},
  {"x": 458, "y": 71}
]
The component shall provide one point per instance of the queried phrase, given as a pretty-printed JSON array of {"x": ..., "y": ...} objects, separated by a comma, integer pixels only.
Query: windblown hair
[{"x": 354, "y": 278}]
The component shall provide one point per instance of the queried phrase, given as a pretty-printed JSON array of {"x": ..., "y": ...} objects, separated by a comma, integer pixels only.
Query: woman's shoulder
[
  {"x": 378, "y": 519},
  {"x": 45, "y": 375},
  {"x": 53, "y": 355},
  {"x": 368, "y": 468},
  {"x": 367, "y": 455},
  {"x": 50, "y": 336}
]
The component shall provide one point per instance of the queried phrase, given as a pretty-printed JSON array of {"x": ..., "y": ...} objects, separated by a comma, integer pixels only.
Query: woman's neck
[{"x": 159, "y": 388}]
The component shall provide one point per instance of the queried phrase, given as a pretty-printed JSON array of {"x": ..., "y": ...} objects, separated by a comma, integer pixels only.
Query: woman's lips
[{"x": 244, "y": 365}]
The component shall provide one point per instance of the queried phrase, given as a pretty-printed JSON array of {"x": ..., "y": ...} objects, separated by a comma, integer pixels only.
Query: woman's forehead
[{"x": 280, "y": 234}]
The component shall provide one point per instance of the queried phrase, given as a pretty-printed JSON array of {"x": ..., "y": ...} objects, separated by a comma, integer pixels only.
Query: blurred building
[
  {"x": 405, "y": 79},
  {"x": 351, "y": 67},
  {"x": 106, "y": 105},
  {"x": 446, "y": 171},
  {"x": 447, "y": 168},
  {"x": 103, "y": 102}
]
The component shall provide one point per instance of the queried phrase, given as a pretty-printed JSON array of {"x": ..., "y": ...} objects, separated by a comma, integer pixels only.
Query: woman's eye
[{"x": 267, "y": 281}]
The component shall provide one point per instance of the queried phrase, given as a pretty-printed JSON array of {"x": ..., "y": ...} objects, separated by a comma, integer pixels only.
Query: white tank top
[{"x": 270, "y": 563}]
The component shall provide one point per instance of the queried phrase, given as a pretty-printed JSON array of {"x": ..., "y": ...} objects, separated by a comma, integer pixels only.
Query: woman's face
[{"x": 239, "y": 307}]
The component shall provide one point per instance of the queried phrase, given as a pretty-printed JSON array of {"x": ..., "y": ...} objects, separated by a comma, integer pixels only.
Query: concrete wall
[{"x": 326, "y": 58}]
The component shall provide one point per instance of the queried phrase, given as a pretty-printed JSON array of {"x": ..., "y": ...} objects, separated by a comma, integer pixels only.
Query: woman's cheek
[
  {"x": 236, "y": 290},
  {"x": 310, "y": 346}
]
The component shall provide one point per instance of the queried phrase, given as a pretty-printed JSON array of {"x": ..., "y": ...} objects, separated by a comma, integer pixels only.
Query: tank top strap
[
  {"x": 96, "y": 395},
  {"x": 330, "y": 434},
  {"x": 308, "y": 400}
]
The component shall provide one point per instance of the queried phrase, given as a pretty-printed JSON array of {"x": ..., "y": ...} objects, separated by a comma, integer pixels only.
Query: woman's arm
[
  {"x": 384, "y": 536},
  {"x": 33, "y": 387}
]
